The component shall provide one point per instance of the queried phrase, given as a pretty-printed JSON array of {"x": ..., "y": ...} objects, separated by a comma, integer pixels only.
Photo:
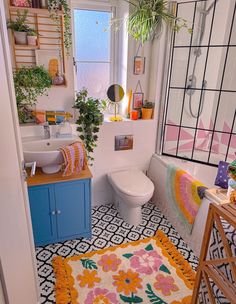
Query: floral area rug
[{"x": 145, "y": 271}]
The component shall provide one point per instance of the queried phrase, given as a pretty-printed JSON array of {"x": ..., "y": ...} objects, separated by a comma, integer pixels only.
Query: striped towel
[
  {"x": 185, "y": 194},
  {"x": 74, "y": 158}
]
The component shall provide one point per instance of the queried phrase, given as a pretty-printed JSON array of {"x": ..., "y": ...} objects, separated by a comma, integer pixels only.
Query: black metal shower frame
[{"x": 220, "y": 90}]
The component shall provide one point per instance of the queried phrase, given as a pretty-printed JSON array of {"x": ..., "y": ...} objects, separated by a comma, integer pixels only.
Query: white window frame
[{"x": 103, "y": 6}]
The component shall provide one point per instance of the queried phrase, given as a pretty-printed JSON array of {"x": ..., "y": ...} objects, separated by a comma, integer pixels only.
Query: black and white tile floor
[{"x": 108, "y": 230}]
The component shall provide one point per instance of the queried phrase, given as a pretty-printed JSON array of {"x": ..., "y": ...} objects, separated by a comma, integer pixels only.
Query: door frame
[{"x": 17, "y": 137}]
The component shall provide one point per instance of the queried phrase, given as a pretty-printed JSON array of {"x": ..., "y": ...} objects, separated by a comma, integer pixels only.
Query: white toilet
[{"x": 132, "y": 189}]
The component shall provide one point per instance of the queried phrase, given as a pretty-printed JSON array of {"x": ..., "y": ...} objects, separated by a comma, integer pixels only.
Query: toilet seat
[{"x": 132, "y": 182}]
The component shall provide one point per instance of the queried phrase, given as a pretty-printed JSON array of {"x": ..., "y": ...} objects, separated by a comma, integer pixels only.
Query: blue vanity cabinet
[
  {"x": 60, "y": 211},
  {"x": 42, "y": 206},
  {"x": 73, "y": 211}
]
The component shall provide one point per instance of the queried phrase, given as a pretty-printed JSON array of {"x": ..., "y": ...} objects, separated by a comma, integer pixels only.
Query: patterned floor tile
[{"x": 108, "y": 230}]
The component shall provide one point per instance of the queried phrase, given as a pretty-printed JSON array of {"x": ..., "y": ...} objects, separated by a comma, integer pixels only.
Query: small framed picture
[
  {"x": 123, "y": 142},
  {"x": 139, "y": 65},
  {"x": 138, "y": 100}
]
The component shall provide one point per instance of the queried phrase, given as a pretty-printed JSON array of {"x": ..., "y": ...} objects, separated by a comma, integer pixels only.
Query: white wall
[{"x": 144, "y": 132}]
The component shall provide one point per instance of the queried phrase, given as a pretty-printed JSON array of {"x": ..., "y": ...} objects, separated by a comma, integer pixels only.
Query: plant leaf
[
  {"x": 126, "y": 299},
  {"x": 153, "y": 297},
  {"x": 127, "y": 255},
  {"x": 133, "y": 299},
  {"x": 149, "y": 247},
  {"x": 88, "y": 264},
  {"x": 164, "y": 269}
]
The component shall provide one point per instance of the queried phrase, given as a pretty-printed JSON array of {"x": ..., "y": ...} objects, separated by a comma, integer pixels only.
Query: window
[{"x": 93, "y": 51}]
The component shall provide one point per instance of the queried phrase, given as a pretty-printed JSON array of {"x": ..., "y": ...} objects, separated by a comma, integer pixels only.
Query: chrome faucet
[{"x": 46, "y": 130}]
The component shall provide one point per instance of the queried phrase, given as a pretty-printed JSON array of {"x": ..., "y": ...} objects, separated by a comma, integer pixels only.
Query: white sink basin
[{"x": 45, "y": 153}]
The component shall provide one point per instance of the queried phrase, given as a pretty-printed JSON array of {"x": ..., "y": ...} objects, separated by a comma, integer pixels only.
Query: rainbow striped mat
[{"x": 185, "y": 194}]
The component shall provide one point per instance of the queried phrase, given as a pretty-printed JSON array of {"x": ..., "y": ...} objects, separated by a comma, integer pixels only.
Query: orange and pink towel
[{"x": 75, "y": 159}]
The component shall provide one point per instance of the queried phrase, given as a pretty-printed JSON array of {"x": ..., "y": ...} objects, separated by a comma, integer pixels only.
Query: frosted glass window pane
[
  {"x": 95, "y": 77},
  {"x": 92, "y": 35}
]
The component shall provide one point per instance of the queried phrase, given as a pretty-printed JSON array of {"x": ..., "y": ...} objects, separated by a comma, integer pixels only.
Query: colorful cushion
[{"x": 222, "y": 175}]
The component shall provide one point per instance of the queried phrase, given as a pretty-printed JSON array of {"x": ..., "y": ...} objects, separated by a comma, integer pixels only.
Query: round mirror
[{"x": 115, "y": 93}]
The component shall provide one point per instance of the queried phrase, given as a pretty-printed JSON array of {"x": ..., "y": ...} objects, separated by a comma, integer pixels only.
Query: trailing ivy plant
[
  {"x": 30, "y": 83},
  {"x": 90, "y": 118},
  {"x": 54, "y": 6},
  {"x": 147, "y": 16}
]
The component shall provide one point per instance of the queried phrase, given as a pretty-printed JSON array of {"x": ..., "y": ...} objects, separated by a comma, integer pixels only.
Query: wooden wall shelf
[
  {"x": 32, "y": 10},
  {"x": 50, "y": 37}
]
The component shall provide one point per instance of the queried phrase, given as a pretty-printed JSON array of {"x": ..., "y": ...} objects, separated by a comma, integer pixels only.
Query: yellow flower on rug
[
  {"x": 88, "y": 279},
  {"x": 127, "y": 282},
  {"x": 146, "y": 271}
]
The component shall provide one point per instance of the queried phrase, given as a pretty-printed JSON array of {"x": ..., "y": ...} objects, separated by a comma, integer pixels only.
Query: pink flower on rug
[
  {"x": 165, "y": 284},
  {"x": 109, "y": 262},
  {"x": 146, "y": 261},
  {"x": 101, "y": 296}
]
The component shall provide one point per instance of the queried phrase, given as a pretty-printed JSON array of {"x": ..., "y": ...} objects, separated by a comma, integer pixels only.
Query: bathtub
[{"x": 157, "y": 173}]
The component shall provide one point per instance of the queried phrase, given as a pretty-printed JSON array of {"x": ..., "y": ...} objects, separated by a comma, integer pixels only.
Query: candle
[
  {"x": 134, "y": 115},
  {"x": 129, "y": 102}
]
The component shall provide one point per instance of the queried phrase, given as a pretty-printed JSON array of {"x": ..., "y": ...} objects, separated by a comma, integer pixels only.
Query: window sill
[{"x": 107, "y": 119}]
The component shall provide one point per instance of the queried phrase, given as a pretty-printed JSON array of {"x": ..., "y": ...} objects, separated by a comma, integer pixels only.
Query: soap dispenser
[{"x": 65, "y": 129}]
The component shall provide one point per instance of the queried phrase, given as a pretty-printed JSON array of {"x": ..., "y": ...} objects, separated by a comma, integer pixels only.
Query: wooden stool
[{"x": 207, "y": 269}]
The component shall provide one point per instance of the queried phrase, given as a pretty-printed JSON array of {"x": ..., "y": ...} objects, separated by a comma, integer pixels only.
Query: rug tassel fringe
[
  {"x": 182, "y": 264},
  {"x": 64, "y": 287}
]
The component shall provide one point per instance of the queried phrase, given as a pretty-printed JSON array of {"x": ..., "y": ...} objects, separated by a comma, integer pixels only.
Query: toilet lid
[{"x": 132, "y": 182}]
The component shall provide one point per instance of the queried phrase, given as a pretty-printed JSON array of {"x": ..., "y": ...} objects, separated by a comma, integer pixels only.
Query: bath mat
[{"x": 145, "y": 271}]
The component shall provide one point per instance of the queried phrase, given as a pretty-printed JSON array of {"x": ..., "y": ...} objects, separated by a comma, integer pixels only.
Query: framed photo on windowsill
[
  {"x": 139, "y": 65},
  {"x": 138, "y": 100}
]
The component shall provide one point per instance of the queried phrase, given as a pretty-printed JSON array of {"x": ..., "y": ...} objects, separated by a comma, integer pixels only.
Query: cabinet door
[
  {"x": 42, "y": 207},
  {"x": 73, "y": 208}
]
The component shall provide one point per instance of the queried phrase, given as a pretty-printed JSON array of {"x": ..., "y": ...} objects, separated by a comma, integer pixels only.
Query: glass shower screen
[{"x": 200, "y": 108}]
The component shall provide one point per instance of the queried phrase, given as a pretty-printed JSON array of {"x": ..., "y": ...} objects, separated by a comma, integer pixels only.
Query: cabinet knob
[
  {"x": 58, "y": 211},
  {"x": 53, "y": 212}
]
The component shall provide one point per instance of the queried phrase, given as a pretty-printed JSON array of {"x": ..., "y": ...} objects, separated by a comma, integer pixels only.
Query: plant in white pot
[
  {"x": 146, "y": 18},
  {"x": 32, "y": 37},
  {"x": 19, "y": 27}
]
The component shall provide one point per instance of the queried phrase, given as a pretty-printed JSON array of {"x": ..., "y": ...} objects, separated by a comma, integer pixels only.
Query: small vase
[
  {"x": 58, "y": 80},
  {"x": 32, "y": 40},
  {"x": 146, "y": 113},
  {"x": 20, "y": 38}
]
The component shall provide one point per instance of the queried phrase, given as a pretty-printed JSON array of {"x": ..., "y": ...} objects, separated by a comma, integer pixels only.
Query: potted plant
[
  {"x": 19, "y": 28},
  {"x": 147, "y": 110},
  {"x": 30, "y": 83},
  {"x": 32, "y": 37},
  {"x": 90, "y": 118},
  {"x": 54, "y": 6},
  {"x": 146, "y": 18}
]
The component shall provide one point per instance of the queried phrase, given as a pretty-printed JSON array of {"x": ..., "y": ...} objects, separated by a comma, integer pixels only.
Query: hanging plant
[
  {"x": 30, "y": 83},
  {"x": 146, "y": 19},
  {"x": 90, "y": 118},
  {"x": 54, "y": 6}
]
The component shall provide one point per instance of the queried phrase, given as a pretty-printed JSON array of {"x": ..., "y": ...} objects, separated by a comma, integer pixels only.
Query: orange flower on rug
[{"x": 146, "y": 271}]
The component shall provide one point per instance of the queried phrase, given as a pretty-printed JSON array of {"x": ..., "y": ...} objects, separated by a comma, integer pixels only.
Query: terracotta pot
[
  {"x": 32, "y": 40},
  {"x": 146, "y": 113},
  {"x": 20, "y": 38}
]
